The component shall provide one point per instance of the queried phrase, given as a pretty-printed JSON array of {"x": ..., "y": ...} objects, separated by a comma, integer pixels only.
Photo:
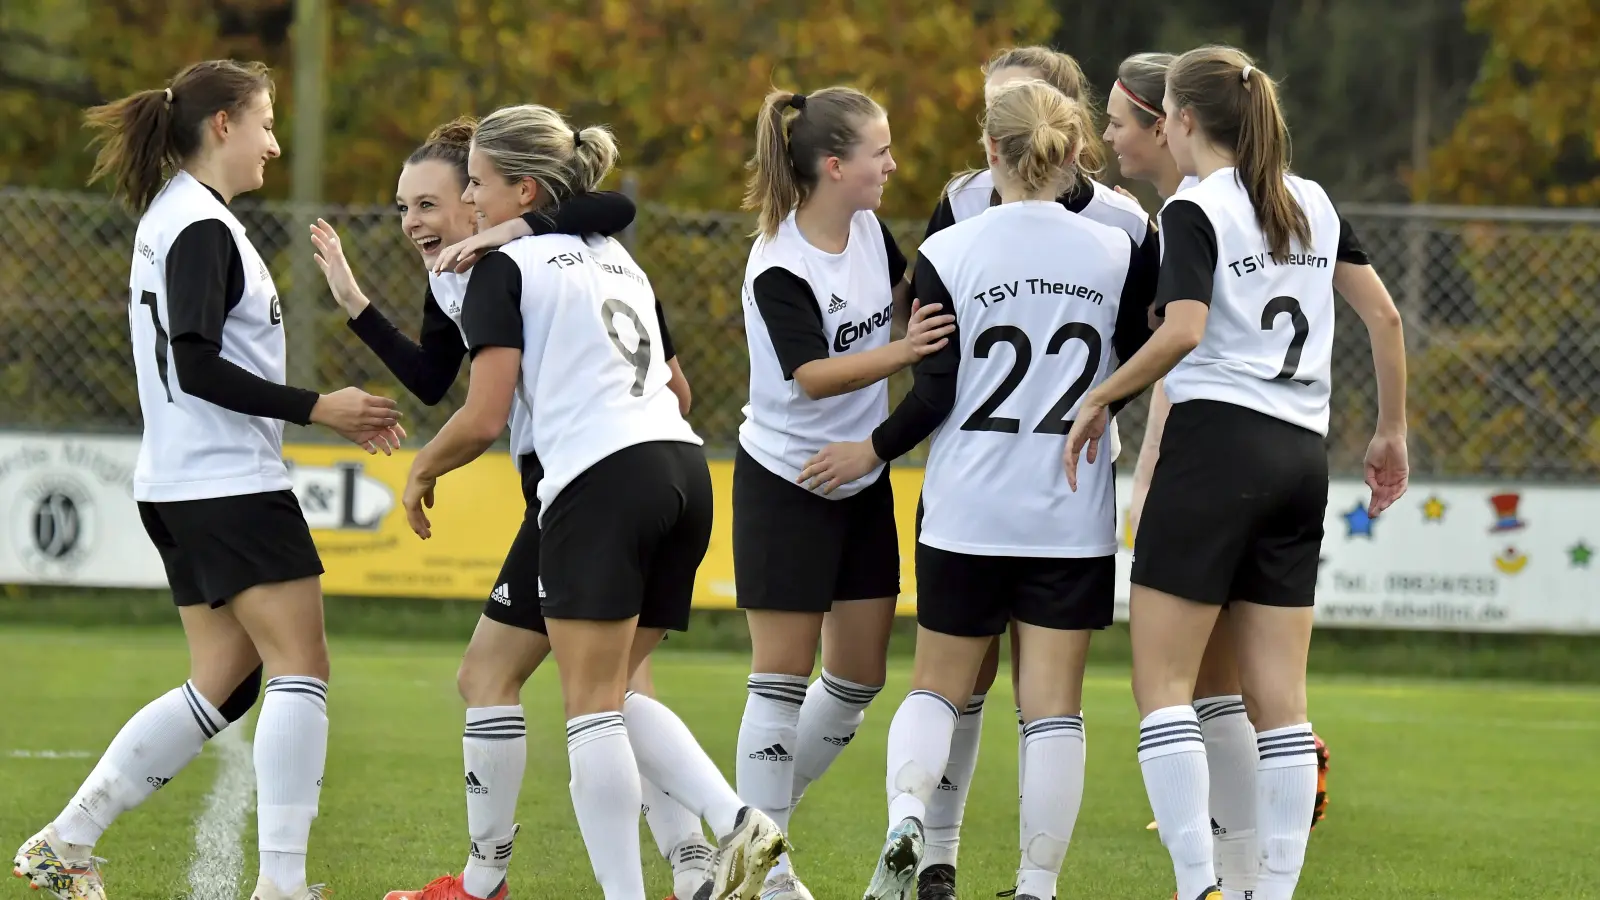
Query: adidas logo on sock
[
  {"x": 158, "y": 781},
  {"x": 945, "y": 785},
  {"x": 775, "y": 753},
  {"x": 840, "y": 741},
  {"x": 1217, "y": 829},
  {"x": 501, "y": 594},
  {"x": 474, "y": 786},
  {"x": 835, "y": 303}
]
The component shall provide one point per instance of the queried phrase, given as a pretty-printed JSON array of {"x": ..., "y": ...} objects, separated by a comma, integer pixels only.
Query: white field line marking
[
  {"x": 218, "y": 857},
  {"x": 49, "y": 754}
]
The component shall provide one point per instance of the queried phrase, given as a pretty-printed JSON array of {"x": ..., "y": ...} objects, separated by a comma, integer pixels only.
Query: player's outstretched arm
[{"x": 470, "y": 432}]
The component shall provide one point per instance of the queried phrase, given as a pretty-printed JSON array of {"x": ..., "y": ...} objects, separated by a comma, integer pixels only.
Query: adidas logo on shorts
[
  {"x": 775, "y": 753},
  {"x": 474, "y": 786},
  {"x": 502, "y": 594},
  {"x": 835, "y": 303}
]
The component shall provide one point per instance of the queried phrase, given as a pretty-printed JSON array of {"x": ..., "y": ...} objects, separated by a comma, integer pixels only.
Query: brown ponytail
[
  {"x": 789, "y": 148},
  {"x": 147, "y": 136},
  {"x": 1236, "y": 107}
]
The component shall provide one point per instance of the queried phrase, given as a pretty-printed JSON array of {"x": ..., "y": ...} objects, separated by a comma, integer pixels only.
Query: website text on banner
[{"x": 1455, "y": 557}]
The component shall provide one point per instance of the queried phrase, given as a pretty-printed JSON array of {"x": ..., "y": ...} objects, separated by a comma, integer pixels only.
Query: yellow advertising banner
[{"x": 352, "y": 503}]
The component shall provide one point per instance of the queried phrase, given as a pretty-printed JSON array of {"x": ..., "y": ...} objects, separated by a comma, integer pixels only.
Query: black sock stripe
[
  {"x": 1217, "y": 712},
  {"x": 494, "y": 737},
  {"x": 1170, "y": 729},
  {"x": 1151, "y": 745},
  {"x": 1285, "y": 739},
  {"x": 796, "y": 682},
  {"x": 200, "y": 718},
  {"x": 785, "y": 699},
  {"x": 1311, "y": 755},
  {"x": 1297, "y": 747},
  {"x": 850, "y": 692},
  {"x": 954, "y": 713},
  {"x": 602, "y": 722},
  {"x": 1053, "y": 724},
  {"x": 495, "y": 720},
  {"x": 296, "y": 681},
  {"x": 295, "y": 690},
  {"x": 974, "y": 706}
]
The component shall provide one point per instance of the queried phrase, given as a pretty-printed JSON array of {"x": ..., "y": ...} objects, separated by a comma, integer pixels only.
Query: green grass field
[{"x": 1439, "y": 789}]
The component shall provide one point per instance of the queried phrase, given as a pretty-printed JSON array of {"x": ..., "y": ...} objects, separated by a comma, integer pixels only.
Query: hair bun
[{"x": 456, "y": 131}]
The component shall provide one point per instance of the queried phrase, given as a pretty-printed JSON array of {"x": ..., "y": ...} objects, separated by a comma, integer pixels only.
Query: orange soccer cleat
[
  {"x": 446, "y": 887},
  {"x": 1320, "y": 810}
]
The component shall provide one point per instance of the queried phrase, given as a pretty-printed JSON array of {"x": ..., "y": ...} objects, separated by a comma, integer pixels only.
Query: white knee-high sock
[
  {"x": 1172, "y": 755},
  {"x": 949, "y": 803},
  {"x": 833, "y": 709},
  {"x": 1231, "y": 761},
  {"x": 1286, "y": 794},
  {"x": 605, "y": 796},
  {"x": 291, "y": 749},
  {"x": 768, "y": 736},
  {"x": 1022, "y": 771},
  {"x": 671, "y": 823},
  {"x": 494, "y": 749},
  {"x": 668, "y": 755},
  {"x": 919, "y": 747},
  {"x": 1051, "y": 799},
  {"x": 149, "y": 751}
]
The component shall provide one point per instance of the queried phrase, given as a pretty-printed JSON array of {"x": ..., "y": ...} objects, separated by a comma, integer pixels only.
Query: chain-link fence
[{"x": 1499, "y": 305}]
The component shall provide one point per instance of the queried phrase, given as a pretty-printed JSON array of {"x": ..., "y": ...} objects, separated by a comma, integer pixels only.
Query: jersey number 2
[
  {"x": 149, "y": 299},
  {"x": 1302, "y": 329},
  {"x": 1055, "y": 421},
  {"x": 639, "y": 356}
]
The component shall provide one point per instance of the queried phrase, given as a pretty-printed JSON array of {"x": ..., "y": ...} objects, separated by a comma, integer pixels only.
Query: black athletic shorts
[
  {"x": 514, "y": 600},
  {"x": 626, "y": 537},
  {"x": 799, "y": 551},
  {"x": 216, "y": 548},
  {"x": 967, "y": 595},
  {"x": 1235, "y": 508}
]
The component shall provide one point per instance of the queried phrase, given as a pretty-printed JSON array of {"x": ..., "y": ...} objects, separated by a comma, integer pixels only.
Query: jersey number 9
[{"x": 639, "y": 356}]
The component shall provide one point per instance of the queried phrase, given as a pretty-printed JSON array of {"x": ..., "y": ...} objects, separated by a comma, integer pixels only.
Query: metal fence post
[{"x": 630, "y": 189}]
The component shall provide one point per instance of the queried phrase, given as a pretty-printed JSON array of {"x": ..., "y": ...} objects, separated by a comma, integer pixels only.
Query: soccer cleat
[
  {"x": 937, "y": 882},
  {"x": 1210, "y": 893},
  {"x": 266, "y": 890},
  {"x": 1320, "y": 810},
  {"x": 746, "y": 856},
  {"x": 785, "y": 887},
  {"x": 897, "y": 864},
  {"x": 50, "y": 866},
  {"x": 693, "y": 863},
  {"x": 446, "y": 887}
]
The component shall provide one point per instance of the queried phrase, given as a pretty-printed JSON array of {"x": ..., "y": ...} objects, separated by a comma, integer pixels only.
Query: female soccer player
[
  {"x": 570, "y": 325},
  {"x": 1041, "y": 297},
  {"x": 819, "y": 300},
  {"x": 212, "y": 488},
  {"x": 1251, "y": 259},
  {"x": 1135, "y": 130},
  {"x": 509, "y": 643},
  {"x": 968, "y": 195}
]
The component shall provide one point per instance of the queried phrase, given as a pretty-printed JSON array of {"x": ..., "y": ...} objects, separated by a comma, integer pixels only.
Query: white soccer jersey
[
  {"x": 971, "y": 195},
  {"x": 1268, "y": 343},
  {"x": 594, "y": 375},
  {"x": 193, "y": 449},
  {"x": 1037, "y": 293},
  {"x": 830, "y": 304},
  {"x": 450, "y": 292}
]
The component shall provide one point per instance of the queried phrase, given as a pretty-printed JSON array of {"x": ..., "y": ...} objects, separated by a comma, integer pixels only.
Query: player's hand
[
  {"x": 385, "y": 439},
  {"x": 1124, "y": 192},
  {"x": 330, "y": 259},
  {"x": 352, "y": 412},
  {"x": 418, "y": 494},
  {"x": 1388, "y": 471},
  {"x": 927, "y": 333},
  {"x": 838, "y": 464},
  {"x": 460, "y": 257},
  {"x": 1088, "y": 428}
]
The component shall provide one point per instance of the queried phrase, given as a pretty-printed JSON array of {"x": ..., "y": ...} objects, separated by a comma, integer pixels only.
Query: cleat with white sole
[
  {"x": 266, "y": 890},
  {"x": 785, "y": 887},
  {"x": 54, "y": 867},
  {"x": 746, "y": 856},
  {"x": 897, "y": 864}
]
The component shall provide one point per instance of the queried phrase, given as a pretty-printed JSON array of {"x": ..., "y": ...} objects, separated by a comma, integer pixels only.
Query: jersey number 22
[{"x": 1055, "y": 421}]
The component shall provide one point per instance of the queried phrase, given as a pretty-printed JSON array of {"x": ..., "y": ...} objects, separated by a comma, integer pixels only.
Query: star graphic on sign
[
  {"x": 1580, "y": 554},
  {"x": 1433, "y": 509},
  {"x": 1357, "y": 522}
]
